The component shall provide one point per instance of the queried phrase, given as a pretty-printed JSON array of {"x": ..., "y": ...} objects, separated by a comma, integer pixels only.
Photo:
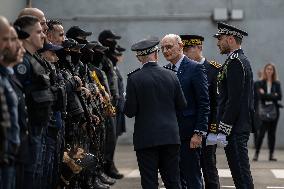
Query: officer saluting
[
  {"x": 235, "y": 90},
  {"x": 153, "y": 95}
]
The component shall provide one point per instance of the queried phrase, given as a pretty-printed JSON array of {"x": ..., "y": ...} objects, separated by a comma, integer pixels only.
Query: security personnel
[
  {"x": 153, "y": 95},
  {"x": 192, "y": 48},
  {"x": 36, "y": 82},
  {"x": 235, "y": 105},
  {"x": 109, "y": 39}
]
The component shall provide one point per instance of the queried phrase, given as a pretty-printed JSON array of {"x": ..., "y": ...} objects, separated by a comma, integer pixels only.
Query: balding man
[
  {"x": 4, "y": 114},
  {"x": 193, "y": 120},
  {"x": 7, "y": 171},
  {"x": 36, "y": 13}
]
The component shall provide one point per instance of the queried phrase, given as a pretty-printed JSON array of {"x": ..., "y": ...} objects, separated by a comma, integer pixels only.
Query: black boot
[
  {"x": 255, "y": 157},
  {"x": 112, "y": 171},
  {"x": 271, "y": 158},
  {"x": 106, "y": 179},
  {"x": 97, "y": 184}
]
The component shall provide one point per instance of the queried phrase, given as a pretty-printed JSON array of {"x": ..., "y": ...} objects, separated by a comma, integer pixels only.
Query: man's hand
[
  {"x": 196, "y": 141},
  {"x": 211, "y": 139},
  {"x": 222, "y": 140}
]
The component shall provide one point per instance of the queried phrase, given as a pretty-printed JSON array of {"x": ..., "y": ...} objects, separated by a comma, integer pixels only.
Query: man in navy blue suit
[{"x": 193, "y": 120}]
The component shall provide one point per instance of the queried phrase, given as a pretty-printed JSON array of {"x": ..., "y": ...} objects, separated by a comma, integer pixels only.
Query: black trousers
[
  {"x": 238, "y": 160},
  {"x": 164, "y": 158},
  {"x": 270, "y": 127},
  {"x": 208, "y": 165}
]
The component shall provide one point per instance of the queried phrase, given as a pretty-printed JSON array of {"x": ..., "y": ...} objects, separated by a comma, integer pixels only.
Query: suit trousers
[
  {"x": 190, "y": 168},
  {"x": 164, "y": 158},
  {"x": 238, "y": 160},
  {"x": 208, "y": 165}
]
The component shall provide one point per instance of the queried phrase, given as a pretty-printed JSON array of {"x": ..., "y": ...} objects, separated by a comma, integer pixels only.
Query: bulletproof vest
[
  {"x": 74, "y": 106},
  {"x": 39, "y": 95}
]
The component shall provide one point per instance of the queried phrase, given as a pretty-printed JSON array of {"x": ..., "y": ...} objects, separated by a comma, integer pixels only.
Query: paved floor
[{"x": 266, "y": 175}]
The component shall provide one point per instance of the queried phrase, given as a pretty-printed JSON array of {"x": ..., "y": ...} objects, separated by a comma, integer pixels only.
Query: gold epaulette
[
  {"x": 133, "y": 71},
  {"x": 215, "y": 64}
]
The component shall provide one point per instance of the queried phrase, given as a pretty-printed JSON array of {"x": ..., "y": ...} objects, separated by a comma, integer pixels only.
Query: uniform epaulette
[
  {"x": 169, "y": 68},
  {"x": 234, "y": 56},
  {"x": 133, "y": 71},
  {"x": 215, "y": 64}
]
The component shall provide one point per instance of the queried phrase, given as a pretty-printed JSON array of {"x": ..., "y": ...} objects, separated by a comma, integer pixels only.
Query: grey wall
[
  {"x": 11, "y": 8},
  {"x": 135, "y": 19}
]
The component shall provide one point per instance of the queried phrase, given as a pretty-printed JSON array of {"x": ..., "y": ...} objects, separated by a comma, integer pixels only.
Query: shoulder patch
[
  {"x": 22, "y": 69},
  {"x": 234, "y": 56},
  {"x": 133, "y": 71},
  {"x": 215, "y": 64},
  {"x": 169, "y": 68}
]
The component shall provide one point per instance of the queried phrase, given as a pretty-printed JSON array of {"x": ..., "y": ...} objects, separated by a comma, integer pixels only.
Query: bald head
[
  {"x": 4, "y": 34},
  {"x": 36, "y": 13},
  {"x": 4, "y": 23}
]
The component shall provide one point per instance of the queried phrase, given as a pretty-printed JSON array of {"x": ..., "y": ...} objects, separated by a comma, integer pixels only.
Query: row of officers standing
[
  {"x": 184, "y": 109},
  {"x": 61, "y": 105}
]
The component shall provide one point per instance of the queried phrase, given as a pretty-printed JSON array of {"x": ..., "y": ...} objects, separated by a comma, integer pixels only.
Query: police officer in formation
[{"x": 59, "y": 106}]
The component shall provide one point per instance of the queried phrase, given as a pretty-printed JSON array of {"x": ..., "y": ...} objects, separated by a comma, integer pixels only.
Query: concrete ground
[{"x": 266, "y": 174}]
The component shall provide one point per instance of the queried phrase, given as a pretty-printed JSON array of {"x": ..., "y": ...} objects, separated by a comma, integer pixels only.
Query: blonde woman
[{"x": 269, "y": 92}]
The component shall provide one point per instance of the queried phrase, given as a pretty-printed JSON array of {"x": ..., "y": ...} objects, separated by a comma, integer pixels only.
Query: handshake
[{"x": 221, "y": 138}]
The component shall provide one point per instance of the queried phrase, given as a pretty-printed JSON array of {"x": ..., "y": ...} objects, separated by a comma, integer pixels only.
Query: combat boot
[
  {"x": 97, "y": 184},
  {"x": 106, "y": 179}
]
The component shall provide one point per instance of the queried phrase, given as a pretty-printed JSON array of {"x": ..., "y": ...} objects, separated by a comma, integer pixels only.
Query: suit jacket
[
  {"x": 275, "y": 95},
  {"x": 235, "y": 87},
  {"x": 153, "y": 95},
  {"x": 193, "y": 80}
]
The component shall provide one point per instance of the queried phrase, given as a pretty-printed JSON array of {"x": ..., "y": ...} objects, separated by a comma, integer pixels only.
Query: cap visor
[{"x": 87, "y": 33}]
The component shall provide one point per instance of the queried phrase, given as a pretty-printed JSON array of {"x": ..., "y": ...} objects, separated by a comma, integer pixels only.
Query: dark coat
[
  {"x": 153, "y": 95},
  {"x": 275, "y": 96},
  {"x": 193, "y": 80},
  {"x": 235, "y": 88}
]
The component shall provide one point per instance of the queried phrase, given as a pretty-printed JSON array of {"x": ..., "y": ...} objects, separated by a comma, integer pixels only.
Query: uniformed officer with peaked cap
[
  {"x": 192, "y": 48},
  {"x": 153, "y": 95},
  {"x": 235, "y": 106}
]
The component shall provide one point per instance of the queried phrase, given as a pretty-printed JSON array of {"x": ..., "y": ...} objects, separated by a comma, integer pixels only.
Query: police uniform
[
  {"x": 235, "y": 108},
  {"x": 208, "y": 153},
  {"x": 153, "y": 95}
]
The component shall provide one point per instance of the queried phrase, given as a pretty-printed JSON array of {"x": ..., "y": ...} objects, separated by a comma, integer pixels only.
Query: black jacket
[
  {"x": 235, "y": 88},
  {"x": 153, "y": 95}
]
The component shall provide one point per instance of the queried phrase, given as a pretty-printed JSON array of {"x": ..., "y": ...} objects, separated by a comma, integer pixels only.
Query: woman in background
[{"x": 269, "y": 91}]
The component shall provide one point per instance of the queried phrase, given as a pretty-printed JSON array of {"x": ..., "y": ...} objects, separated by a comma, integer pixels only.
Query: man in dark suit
[
  {"x": 235, "y": 104},
  {"x": 153, "y": 95},
  {"x": 193, "y": 121},
  {"x": 192, "y": 48}
]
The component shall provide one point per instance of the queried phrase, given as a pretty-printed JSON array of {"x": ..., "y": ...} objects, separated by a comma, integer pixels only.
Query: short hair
[
  {"x": 25, "y": 22},
  {"x": 174, "y": 36},
  {"x": 238, "y": 40},
  {"x": 52, "y": 23}
]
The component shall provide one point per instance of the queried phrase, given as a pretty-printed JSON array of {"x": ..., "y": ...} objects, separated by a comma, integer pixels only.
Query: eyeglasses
[{"x": 167, "y": 47}]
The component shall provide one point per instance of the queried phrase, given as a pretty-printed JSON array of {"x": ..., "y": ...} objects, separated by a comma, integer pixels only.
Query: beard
[
  {"x": 8, "y": 56},
  {"x": 224, "y": 50}
]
